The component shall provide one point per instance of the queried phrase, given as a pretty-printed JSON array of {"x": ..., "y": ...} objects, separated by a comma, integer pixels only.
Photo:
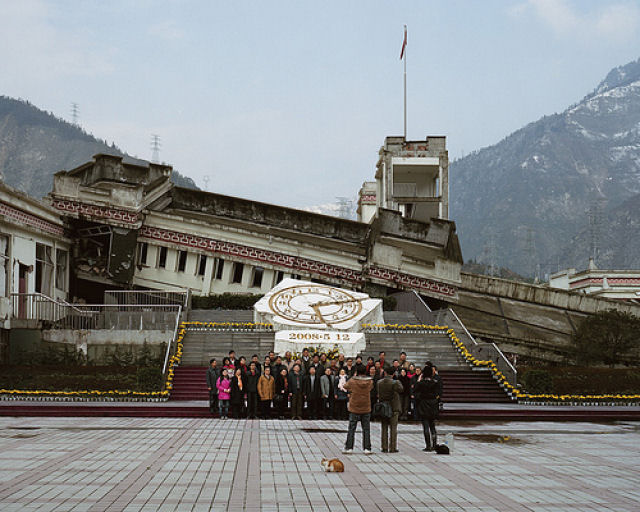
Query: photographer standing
[
  {"x": 426, "y": 393},
  {"x": 389, "y": 390}
]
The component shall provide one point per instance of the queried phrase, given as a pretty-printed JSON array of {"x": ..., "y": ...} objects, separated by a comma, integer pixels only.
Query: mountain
[
  {"x": 35, "y": 144},
  {"x": 533, "y": 197}
]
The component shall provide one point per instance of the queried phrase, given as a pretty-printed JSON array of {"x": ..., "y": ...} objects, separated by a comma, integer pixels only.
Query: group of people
[{"x": 341, "y": 388}]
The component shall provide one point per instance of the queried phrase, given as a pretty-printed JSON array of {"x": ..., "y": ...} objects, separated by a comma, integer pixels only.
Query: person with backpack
[
  {"x": 224, "y": 394},
  {"x": 389, "y": 391}
]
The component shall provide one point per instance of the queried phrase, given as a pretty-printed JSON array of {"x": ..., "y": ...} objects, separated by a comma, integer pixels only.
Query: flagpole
[{"x": 405, "y": 85}]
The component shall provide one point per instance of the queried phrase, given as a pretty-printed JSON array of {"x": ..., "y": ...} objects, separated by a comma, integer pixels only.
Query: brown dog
[{"x": 332, "y": 465}]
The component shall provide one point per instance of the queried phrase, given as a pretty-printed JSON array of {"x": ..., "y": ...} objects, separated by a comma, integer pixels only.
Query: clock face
[{"x": 315, "y": 304}]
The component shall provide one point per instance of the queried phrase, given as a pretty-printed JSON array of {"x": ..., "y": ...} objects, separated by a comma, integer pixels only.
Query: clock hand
[
  {"x": 317, "y": 310},
  {"x": 336, "y": 302}
]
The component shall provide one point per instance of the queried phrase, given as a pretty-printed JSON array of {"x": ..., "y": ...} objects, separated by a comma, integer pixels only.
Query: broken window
[
  {"x": 143, "y": 249},
  {"x": 219, "y": 265},
  {"x": 182, "y": 261},
  {"x": 238, "y": 270},
  {"x": 44, "y": 269},
  {"x": 61, "y": 269},
  {"x": 202, "y": 264},
  {"x": 4, "y": 265},
  {"x": 256, "y": 282},
  {"x": 162, "y": 257}
]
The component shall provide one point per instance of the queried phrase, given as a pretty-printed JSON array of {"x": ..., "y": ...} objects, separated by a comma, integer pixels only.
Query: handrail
[
  {"x": 462, "y": 325},
  {"x": 175, "y": 335}
]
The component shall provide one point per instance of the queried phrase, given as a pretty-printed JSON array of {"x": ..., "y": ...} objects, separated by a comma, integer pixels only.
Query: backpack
[{"x": 382, "y": 410}]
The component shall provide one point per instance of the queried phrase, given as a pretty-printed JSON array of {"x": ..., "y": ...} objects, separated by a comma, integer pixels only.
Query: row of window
[
  {"x": 44, "y": 269},
  {"x": 236, "y": 275}
]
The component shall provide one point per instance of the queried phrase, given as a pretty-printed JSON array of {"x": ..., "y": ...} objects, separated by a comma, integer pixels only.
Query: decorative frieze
[
  {"x": 96, "y": 211},
  {"x": 414, "y": 282},
  {"x": 30, "y": 220}
]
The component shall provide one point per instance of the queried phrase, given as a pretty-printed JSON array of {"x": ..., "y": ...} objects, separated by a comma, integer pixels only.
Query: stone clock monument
[{"x": 304, "y": 313}]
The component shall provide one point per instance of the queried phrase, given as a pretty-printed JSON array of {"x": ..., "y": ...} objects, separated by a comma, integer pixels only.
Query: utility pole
[{"x": 155, "y": 148}]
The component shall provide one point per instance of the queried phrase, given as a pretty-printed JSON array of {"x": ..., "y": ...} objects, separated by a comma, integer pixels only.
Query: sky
[{"x": 288, "y": 102}]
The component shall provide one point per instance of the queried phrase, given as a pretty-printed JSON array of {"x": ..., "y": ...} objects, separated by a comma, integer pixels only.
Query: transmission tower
[
  {"x": 490, "y": 254},
  {"x": 595, "y": 228},
  {"x": 345, "y": 207},
  {"x": 75, "y": 112},
  {"x": 533, "y": 265},
  {"x": 155, "y": 148}
]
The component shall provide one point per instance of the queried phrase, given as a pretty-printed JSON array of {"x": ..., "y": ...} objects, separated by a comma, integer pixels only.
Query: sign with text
[{"x": 348, "y": 343}]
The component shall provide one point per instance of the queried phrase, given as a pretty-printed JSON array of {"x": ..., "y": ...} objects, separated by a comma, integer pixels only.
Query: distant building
[
  {"x": 608, "y": 284},
  {"x": 133, "y": 228}
]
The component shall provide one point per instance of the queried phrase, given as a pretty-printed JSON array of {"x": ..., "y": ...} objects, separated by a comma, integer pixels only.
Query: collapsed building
[{"x": 133, "y": 228}]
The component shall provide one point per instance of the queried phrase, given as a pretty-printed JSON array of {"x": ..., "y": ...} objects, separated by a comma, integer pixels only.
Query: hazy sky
[{"x": 289, "y": 102}]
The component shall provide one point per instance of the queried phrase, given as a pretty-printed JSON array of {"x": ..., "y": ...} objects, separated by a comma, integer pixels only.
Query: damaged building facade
[
  {"x": 34, "y": 259},
  {"x": 132, "y": 228}
]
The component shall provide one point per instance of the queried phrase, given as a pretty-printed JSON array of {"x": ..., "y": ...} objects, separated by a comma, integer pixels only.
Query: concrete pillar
[
  {"x": 444, "y": 185},
  {"x": 208, "y": 275}
]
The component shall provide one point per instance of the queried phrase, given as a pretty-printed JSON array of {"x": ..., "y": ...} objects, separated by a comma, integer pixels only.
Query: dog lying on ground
[{"x": 332, "y": 465}]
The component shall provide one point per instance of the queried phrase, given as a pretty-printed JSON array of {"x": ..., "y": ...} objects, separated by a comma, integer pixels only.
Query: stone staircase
[
  {"x": 459, "y": 386},
  {"x": 461, "y": 383}
]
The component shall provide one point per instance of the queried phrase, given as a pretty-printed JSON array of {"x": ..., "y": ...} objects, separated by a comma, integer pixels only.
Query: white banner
[{"x": 348, "y": 343}]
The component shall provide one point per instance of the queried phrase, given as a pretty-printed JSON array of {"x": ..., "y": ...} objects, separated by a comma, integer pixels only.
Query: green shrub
[
  {"x": 149, "y": 378},
  {"x": 538, "y": 382}
]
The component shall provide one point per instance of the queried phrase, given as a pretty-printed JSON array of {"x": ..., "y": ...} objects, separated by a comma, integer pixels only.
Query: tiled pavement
[{"x": 115, "y": 464}]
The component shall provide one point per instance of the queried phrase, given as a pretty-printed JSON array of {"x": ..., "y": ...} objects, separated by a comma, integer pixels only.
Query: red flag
[{"x": 404, "y": 43}]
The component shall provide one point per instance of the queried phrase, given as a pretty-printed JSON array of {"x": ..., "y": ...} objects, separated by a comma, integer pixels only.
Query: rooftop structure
[{"x": 412, "y": 177}]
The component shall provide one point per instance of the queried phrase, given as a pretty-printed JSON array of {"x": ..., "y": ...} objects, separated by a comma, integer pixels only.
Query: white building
[{"x": 608, "y": 284}]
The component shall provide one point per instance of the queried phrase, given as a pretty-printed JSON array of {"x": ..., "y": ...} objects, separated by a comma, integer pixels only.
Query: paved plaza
[{"x": 115, "y": 464}]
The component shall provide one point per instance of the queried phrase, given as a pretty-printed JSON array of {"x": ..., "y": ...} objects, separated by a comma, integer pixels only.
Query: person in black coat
[
  {"x": 252, "y": 390},
  {"x": 238, "y": 392},
  {"x": 213, "y": 373},
  {"x": 296, "y": 391},
  {"x": 426, "y": 393},
  {"x": 281, "y": 399},
  {"x": 312, "y": 392}
]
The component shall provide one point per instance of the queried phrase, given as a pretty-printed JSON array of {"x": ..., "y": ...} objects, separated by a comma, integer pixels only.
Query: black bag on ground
[
  {"x": 442, "y": 449},
  {"x": 382, "y": 410}
]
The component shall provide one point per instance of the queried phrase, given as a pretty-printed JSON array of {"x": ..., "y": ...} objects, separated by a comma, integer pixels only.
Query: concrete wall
[
  {"x": 94, "y": 343},
  {"x": 542, "y": 295}
]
